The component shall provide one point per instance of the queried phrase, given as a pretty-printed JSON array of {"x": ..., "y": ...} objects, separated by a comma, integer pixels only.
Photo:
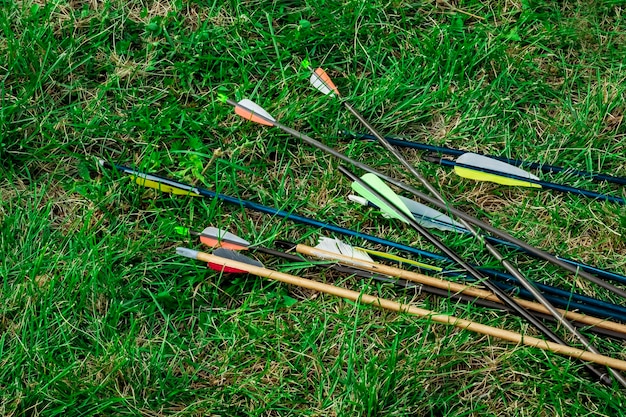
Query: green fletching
[
  {"x": 306, "y": 64},
  {"x": 222, "y": 97},
  {"x": 377, "y": 184},
  {"x": 183, "y": 231}
]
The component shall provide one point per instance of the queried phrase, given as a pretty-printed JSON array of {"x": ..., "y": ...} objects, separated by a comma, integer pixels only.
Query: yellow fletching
[
  {"x": 163, "y": 187},
  {"x": 402, "y": 260},
  {"x": 484, "y": 176}
]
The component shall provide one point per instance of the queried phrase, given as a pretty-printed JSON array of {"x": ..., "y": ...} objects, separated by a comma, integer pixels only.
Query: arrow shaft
[
  {"x": 517, "y": 162},
  {"x": 558, "y": 297},
  {"x": 448, "y": 286},
  {"x": 585, "y": 267},
  {"x": 417, "y": 288}
]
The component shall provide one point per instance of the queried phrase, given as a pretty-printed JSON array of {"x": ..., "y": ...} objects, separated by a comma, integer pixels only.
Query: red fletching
[
  {"x": 225, "y": 269},
  {"x": 228, "y": 254}
]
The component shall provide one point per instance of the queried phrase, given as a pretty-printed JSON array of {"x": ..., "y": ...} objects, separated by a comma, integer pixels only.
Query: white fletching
[
  {"x": 337, "y": 246},
  {"x": 317, "y": 82},
  {"x": 255, "y": 108},
  {"x": 424, "y": 216},
  {"x": 481, "y": 161}
]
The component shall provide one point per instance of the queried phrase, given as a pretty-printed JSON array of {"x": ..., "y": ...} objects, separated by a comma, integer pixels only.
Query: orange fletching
[
  {"x": 214, "y": 243},
  {"x": 247, "y": 114},
  {"x": 324, "y": 77}
]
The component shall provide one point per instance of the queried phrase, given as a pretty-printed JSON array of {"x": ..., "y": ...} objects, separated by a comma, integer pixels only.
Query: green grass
[{"x": 100, "y": 317}]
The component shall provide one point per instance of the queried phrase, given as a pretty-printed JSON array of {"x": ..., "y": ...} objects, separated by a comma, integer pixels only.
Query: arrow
[
  {"x": 517, "y": 162},
  {"x": 481, "y": 168},
  {"x": 375, "y": 188},
  {"x": 250, "y": 114},
  {"x": 432, "y": 316},
  {"x": 205, "y": 193},
  {"x": 434, "y": 219}
]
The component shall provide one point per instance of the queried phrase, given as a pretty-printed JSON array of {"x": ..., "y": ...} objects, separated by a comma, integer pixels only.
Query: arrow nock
[{"x": 182, "y": 231}]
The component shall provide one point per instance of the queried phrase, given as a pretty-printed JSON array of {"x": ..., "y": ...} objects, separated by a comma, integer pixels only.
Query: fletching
[
  {"x": 337, "y": 246},
  {"x": 431, "y": 218},
  {"x": 378, "y": 185},
  {"x": 214, "y": 237},
  {"x": 422, "y": 214},
  {"x": 340, "y": 247},
  {"x": 249, "y": 110},
  {"x": 320, "y": 80},
  {"x": 166, "y": 188},
  {"x": 401, "y": 260},
  {"x": 481, "y": 161},
  {"x": 154, "y": 181},
  {"x": 233, "y": 256}
]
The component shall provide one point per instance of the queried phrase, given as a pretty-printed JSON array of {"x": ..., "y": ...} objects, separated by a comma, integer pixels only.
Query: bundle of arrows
[
  {"x": 559, "y": 297},
  {"x": 225, "y": 258},
  {"x": 549, "y": 303},
  {"x": 358, "y": 262}
]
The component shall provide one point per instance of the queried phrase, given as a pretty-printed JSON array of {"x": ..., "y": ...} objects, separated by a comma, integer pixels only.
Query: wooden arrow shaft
[
  {"x": 453, "y": 287},
  {"x": 416, "y": 311}
]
